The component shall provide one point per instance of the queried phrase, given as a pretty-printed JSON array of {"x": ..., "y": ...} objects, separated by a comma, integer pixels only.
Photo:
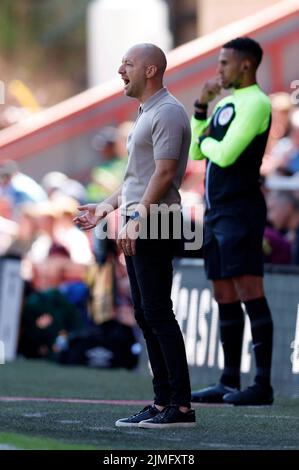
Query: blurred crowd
[
  {"x": 280, "y": 171},
  {"x": 76, "y": 282}
]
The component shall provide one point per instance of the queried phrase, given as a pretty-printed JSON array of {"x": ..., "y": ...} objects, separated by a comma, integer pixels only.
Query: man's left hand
[{"x": 126, "y": 240}]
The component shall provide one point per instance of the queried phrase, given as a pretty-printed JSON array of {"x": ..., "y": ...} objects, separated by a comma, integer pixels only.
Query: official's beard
[{"x": 226, "y": 86}]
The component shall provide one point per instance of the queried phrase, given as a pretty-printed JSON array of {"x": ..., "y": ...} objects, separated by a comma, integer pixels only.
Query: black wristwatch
[
  {"x": 135, "y": 216},
  {"x": 198, "y": 105},
  {"x": 200, "y": 110}
]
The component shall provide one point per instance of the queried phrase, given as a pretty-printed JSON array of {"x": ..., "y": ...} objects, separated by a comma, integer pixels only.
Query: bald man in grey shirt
[
  {"x": 161, "y": 132},
  {"x": 158, "y": 150}
]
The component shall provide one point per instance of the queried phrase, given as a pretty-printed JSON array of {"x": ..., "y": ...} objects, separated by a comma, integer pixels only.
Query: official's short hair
[{"x": 248, "y": 47}]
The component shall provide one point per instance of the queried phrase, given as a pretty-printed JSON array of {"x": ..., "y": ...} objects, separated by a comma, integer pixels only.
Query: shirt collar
[
  {"x": 238, "y": 91},
  {"x": 154, "y": 99}
]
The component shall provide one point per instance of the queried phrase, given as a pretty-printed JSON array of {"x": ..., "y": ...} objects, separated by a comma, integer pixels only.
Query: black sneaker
[
  {"x": 170, "y": 417},
  {"x": 212, "y": 394},
  {"x": 256, "y": 395},
  {"x": 132, "y": 421}
]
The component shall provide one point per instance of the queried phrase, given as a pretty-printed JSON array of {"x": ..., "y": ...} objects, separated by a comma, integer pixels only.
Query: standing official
[{"x": 233, "y": 141}]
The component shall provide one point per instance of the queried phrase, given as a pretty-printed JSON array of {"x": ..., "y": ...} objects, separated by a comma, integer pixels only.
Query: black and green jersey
[{"x": 238, "y": 133}]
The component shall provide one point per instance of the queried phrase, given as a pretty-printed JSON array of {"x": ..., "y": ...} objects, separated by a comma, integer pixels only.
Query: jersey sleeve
[
  {"x": 252, "y": 118},
  {"x": 198, "y": 126}
]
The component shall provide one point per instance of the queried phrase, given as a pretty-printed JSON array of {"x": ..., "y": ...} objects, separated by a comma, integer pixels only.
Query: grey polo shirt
[{"x": 161, "y": 131}]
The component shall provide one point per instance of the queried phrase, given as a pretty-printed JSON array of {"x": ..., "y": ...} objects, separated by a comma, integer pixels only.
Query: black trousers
[{"x": 150, "y": 274}]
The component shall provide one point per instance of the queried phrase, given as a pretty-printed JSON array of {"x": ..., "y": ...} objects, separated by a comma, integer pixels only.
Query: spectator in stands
[
  {"x": 53, "y": 181},
  {"x": 67, "y": 234},
  {"x": 276, "y": 248},
  {"x": 45, "y": 216},
  {"x": 8, "y": 227},
  {"x": 289, "y": 156},
  {"x": 113, "y": 298},
  {"x": 27, "y": 230},
  {"x": 17, "y": 187},
  {"x": 54, "y": 256},
  {"x": 283, "y": 213},
  {"x": 6, "y": 208},
  {"x": 56, "y": 182},
  {"x": 47, "y": 317},
  {"x": 107, "y": 175},
  {"x": 281, "y": 105},
  {"x": 278, "y": 142}
]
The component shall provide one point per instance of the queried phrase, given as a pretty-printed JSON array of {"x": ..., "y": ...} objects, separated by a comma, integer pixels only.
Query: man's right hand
[
  {"x": 210, "y": 90},
  {"x": 91, "y": 215}
]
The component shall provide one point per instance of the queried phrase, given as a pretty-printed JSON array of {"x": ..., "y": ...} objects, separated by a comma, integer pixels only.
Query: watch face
[{"x": 135, "y": 215}]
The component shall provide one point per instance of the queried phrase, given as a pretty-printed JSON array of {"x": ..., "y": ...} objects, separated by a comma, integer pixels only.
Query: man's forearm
[{"x": 113, "y": 200}]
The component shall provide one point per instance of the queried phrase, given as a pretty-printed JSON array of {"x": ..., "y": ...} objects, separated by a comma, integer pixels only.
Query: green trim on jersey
[{"x": 252, "y": 115}]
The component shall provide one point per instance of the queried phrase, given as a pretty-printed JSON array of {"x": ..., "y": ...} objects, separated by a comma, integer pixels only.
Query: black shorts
[{"x": 233, "y": 238}]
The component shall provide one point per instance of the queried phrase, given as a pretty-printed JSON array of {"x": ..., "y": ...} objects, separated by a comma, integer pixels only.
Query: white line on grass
[
  {"x": 242, "y": 446},
  {"x": 132, "y": 431},
  {"x": 102, "y": 428},
  {"x": 69, "y": 421},
  {"x": 271, "y": 416},
  {"x": 8, "y": 447}
]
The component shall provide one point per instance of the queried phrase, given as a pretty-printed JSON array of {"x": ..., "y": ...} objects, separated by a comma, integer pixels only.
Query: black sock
[
  {"x": 231, "y": 318},
  {"x": 262, "y": 338}
]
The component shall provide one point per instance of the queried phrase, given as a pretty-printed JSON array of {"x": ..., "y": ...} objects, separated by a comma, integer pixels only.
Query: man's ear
[
  {"x": 246, "y": 65},
  {"x": 151, "y": 71}
]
